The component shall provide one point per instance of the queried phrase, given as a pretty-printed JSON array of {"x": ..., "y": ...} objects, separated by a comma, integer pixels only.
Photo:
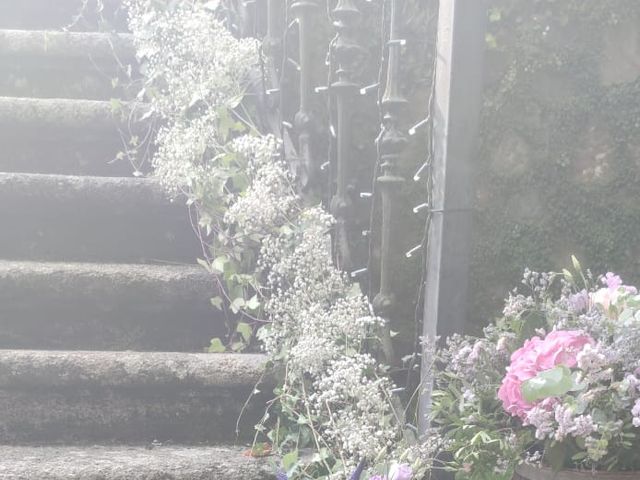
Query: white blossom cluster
[
  {"x": 270, "y": 202},
  {"x": 319, "y": 323},
  {"x": 194, "y": 69},
  {"x": 360, "y": 424},
  {"x": 190, "y": 57},
  {"x": 181, "y": 159}
]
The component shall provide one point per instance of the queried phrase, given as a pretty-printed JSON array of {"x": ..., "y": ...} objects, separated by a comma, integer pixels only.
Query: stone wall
[{"x": 559, "y": 168}]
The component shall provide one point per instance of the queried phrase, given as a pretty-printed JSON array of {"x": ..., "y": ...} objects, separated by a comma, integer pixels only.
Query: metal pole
[
  {"x": 347, "y": 52},
  {"x": 457, "y": 102},
  {"x": 392, "y": 143}
]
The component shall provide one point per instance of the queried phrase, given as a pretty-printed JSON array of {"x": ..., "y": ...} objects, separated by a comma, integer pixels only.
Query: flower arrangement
[{"x": 555, "y": 382}]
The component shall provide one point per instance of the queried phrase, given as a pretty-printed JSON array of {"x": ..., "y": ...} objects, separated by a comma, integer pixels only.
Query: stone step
[
  {"x": 66, "y": 117},
  {"x": 98, "y": 47},
  {"x": 58, "y": 14},
  {"x": 83, "y": 218},
  {"x": 67, "y": 136},
  {"x": 87, "y": 65},
  {"x": 131, "y": 463},
  {"x": 62, "y": 397},
  {"x": 107, "y": 306}
]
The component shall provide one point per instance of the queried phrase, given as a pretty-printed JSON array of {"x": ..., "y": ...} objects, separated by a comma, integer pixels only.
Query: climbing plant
[
  {"x": 272, "y": 251},
  {"x": 558, "y": 170}
]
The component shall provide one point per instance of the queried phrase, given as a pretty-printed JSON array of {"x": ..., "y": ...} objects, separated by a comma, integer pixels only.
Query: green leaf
[
  {"x": 576, "y": 264},
  {"x": 217, "y": 346},
  {"x": 253, "y": 303},
  {"x": 245, "y": 330},
  {"x": 116, "y": 105},
  {"x": 491, "y": 41},
  {"x": 568, "y": 276},
  {"x": 550, "y": 383},
  {"x": 556, "y": 456},
  {"x": 290, "y": 459},
  {"x": 203, "y": 263},
  {"x": 355, "y": 290},
  {"x": 237, "y": 304},
  {"x": 219, "y": 263},
  {"x": 495, "y": 15},
  {"x": 217, "y": 302}
]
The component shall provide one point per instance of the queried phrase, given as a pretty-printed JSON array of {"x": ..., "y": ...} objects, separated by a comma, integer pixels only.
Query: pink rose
[
  {"x": 560, "y": 347},
  {"x": 511, "y": 396}
]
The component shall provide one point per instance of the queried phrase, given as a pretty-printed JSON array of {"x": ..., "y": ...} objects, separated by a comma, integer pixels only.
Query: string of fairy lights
[{"x": 272, "y": 87}]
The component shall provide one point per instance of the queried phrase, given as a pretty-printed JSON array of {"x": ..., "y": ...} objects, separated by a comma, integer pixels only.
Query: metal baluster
[
  {"x": 346, "y": 52},
  {"x": 391, "y": 145},
  {"x": 309, "y": 172},
  {"x": 272, "y": 43}
]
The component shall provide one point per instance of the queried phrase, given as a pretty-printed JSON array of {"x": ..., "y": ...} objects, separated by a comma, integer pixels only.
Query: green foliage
[
  {"x": 558, "y": 171},
  {"x": 549, "y": 383}
]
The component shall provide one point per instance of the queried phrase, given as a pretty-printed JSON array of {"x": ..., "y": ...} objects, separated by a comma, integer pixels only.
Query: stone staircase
[{"x": 103, "y": 312}]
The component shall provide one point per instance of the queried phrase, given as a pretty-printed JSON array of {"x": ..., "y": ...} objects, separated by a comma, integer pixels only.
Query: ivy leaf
[
  {"x": 203, "y": 263},
  {"x": 253, "y": 303},
  {"x": 116, "y": 105},
  {"x": 237, "y": 304},
  {"x": 217, "y": 346},
  {"x": 550, "y": 383},
  {"x": 556, "y": 455},
  {"x": 233, "y": 102},
  {"x": 219, "y": 263},
  {"x": 245, "y": 330},
  {"x": 289, "y": 460},
  {"x": 217, "y": 302},
  {"x": 491, "y": 41}
]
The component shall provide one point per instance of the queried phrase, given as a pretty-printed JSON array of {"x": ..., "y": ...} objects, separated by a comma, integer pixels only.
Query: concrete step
[
  {"x": 87, "y": 65},
  {"x": 67, "y": 136},
  {"x": 126, "y": 397},
  {"x": 107, "y": 306},
  {"x": 131, "y": 463},
  {"x": 82, "y": 218},
  {"x": 57, "y": 14},
  {"x": 65, "y": 117}
]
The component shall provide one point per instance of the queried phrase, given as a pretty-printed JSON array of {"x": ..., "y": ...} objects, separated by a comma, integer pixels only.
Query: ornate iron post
[
  {"x": 273, "y": 39},
  {"x": 346, "y": 53},
  {"x": 309, "y": 170},
  {"x": 391, "y": 145}
]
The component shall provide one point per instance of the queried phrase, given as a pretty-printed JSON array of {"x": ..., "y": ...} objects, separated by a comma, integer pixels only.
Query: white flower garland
[{"x": 319, "y": 323}]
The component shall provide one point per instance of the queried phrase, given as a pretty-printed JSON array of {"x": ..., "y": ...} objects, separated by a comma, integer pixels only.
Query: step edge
[{"x": 128, "y": 369}]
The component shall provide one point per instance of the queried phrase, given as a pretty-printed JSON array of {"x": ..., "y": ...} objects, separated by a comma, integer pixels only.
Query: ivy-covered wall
[{"x": 559, "y": 168}]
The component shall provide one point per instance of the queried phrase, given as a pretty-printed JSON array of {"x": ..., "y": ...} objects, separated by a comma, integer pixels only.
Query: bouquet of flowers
[{"x": 555, "y": 382}]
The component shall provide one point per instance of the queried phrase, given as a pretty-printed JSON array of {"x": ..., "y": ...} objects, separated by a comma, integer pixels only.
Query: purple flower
[
  {"x": 281, "y": 475},
  {"x": 579, "y": 301},
  {"x": 612, "y": 281},
  {"x": 378, "y": 477},
  {"x": 358, "y": 471},
  {"x": 400, "y": 471}
]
